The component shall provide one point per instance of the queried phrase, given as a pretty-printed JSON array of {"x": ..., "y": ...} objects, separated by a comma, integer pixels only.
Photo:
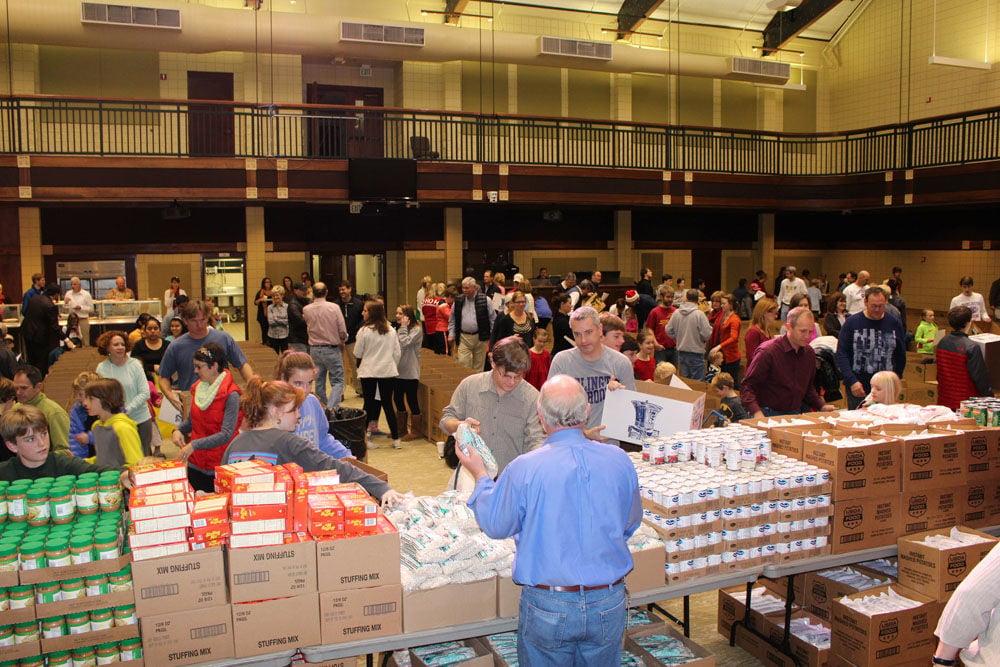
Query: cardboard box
[
  {"x": 263, "y": 573},
  {"x": 371, "y": 470},
  {"x": 484, "y": 657},
  {"x": 509, "y": 597},
  {"x": 761, "y": 649},
  {"x": 891, "y": 638},
  {"x": 981, "y": 446},
  {"x": 732, "y": 607},
  {"x": 981, "y": 504},
  {"x": 649, "y": 570},
  {"x": 787, "y": 440},
  {"x": 809, "y": 655},
  {"x": 865, "y": 523},
  {"x": 989, "y": 345},
  {"x": 454, "y": 604},
  {"x": 655, "y": 410},
  {"x": 362, "y": 613},
  {"x": 920, "y": 393},
  {"x": 276, "y": 625},
  {"x": 872, "y": 468},
  {"x": 199, "y": 635},
  {"x": 179, "y": 583},
  {"x": 934, "y": 508},
  {"x": 703, "y": 657},
  {"x": 938, "y": 572},
  {"x": 820, "y": 590},
  {"x": 356, "y": 562},
  {"x": 71, "y": 642},
  {"x": 94, "y": 568},
  {"x": 929, "y": 461}
]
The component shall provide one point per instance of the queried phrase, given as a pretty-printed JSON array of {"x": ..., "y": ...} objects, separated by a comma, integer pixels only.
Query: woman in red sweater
[
  {"x": 726, "y": 338},
  {"x": 764, "y": 315}
]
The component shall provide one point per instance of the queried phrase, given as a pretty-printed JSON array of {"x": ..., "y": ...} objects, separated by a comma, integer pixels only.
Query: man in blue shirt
[{"x": 571, "y": 506}]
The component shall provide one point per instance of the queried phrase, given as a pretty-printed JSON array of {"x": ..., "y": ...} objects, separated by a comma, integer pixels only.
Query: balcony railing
[{"x": 44, "y": 125}]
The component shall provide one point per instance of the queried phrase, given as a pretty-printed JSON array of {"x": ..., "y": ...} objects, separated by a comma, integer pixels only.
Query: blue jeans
[
  {"x": 692, "y": 365},
  {"x": 563, "y": 629},
  {"x": 328, "y": 361},
  {"x": 666, "y": 355}
]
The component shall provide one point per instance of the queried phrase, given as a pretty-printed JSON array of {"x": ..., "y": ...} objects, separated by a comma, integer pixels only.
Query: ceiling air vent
[
  {"x": 144, "y": 17},
  {"x": 374, "y": 33},
  {"x": 761, "y": 71},
  {"x": 577, "y": 48}
]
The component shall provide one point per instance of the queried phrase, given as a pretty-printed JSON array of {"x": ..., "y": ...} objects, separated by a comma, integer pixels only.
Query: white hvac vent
[
  {"x": 373, "y": 33},
  {"x": 763, "y": 71},
  {"x": 145, "y": 17},
  {"x": 577, "y": 48}
]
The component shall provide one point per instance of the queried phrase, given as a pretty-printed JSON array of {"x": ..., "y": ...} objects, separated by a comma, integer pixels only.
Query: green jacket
[
  {"x": 926, "y": 332},
  {"x": 58, "y": 422}
]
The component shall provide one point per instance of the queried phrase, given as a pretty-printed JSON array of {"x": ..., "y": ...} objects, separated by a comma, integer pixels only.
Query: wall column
[
  {"x": 763, "y": 248},
  {"x": 624, "y": 254},
  {"x": 453, "y": 243},
  {"x": 256, "y": 249},
  {"x": 29, "y": 222}
]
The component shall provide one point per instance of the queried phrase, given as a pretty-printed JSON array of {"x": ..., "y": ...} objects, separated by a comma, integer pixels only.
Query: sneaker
[
  {"x": 372, "y": 445},
  {"x": 396, "y": 444}
]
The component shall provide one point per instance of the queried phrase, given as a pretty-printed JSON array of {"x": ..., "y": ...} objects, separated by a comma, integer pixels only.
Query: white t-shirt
[
  {"x": 855, "y": 296},
  {"x": 975, "y": 303}
]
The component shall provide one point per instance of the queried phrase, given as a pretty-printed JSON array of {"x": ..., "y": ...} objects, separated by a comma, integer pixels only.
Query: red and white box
[
  {"x": 158, "y": 472},
  {"x": 158, "y": 506},
  {"x": 160, "y": 550},
  {"x": 140, "y": 540},
  {"x": 256, "y": 540}
]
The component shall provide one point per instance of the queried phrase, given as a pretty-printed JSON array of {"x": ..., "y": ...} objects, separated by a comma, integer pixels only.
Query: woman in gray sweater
[
  {"x": 271, "y": 411},
  {"x": 411, "y": 336}
]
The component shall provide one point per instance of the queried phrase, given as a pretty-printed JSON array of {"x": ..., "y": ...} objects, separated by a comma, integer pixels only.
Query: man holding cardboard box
[{"x": 571, "y": 506}]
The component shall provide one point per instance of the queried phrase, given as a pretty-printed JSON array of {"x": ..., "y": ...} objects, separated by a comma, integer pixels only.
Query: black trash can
[{"x": 349, "y": 425}]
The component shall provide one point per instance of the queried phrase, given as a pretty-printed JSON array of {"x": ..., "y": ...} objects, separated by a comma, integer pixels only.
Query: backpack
[{"x": 744, "y": 307}]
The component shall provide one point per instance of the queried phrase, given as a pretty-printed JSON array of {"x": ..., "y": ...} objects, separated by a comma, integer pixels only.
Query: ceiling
[{"x": 740, "y": 14}]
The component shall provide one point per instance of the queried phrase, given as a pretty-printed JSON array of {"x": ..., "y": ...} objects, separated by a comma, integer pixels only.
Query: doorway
[
  {"x": 344, "y": 134},
  {"x": 210, "y": 126},
  {"x": 224, "y": 278},
  {"x": 366, "y": 272}
]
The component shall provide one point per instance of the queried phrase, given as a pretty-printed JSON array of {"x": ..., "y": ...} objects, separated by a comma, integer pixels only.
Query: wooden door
[
  {"x": 706, "y": 263},
  {"x": 345, "y": 134},
  {"x": 210, "y": 126}
]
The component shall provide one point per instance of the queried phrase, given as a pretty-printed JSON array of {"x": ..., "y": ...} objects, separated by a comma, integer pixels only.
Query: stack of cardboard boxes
[
  {"x": 898, "y": 479},
  {"x": 439, "y": 375},
  {"x": 928, "y": 575}
]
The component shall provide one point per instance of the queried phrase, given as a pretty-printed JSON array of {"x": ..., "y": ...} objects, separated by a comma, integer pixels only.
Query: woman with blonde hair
[
  {"x": 377, "y": 350},
  {"x": 297, "y": 369},
  {"x": 271, "y": 411},
  {"x": 277, "y": 320},
  {"x": 765, "y": 312}
]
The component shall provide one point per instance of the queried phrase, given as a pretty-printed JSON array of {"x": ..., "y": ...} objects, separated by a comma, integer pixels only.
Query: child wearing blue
[
  {"x": 81, "y": 438},
  {"x": 297, "y": 369}
]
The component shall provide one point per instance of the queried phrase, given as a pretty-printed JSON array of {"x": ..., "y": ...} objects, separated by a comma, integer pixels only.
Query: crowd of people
[{"x": 544, "y": 369}]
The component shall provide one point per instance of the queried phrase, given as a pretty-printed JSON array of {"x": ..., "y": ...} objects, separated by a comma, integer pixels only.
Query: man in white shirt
[
  {"x": 79, "y": 301},
  {"x": 972, "y": 300},
  {"x": 855, "y": 292},
  {"x": 790, "y": 287}
]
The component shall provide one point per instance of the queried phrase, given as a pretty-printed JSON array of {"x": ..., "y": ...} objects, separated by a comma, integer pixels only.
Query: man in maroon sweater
[{"x": 779, "y": 380}]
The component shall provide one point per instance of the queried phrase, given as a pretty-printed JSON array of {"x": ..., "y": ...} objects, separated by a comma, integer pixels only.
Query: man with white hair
[
  {"x": 79, "y": 301},
  {"x": 572, "y": 609},
  {"x": 471, "y": 326}
]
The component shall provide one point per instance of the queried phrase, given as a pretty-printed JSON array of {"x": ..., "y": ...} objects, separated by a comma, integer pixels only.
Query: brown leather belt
[{"x": 576, "y": 589}]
